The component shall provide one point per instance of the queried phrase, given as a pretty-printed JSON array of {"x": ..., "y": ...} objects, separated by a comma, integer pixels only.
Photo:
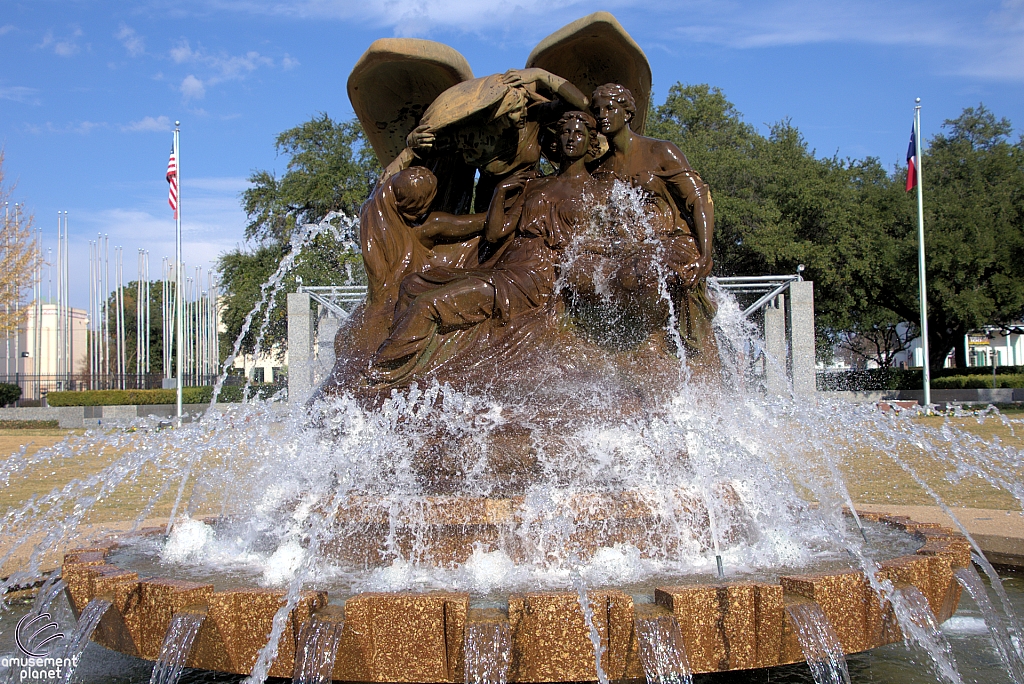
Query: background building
[{"x": 50, "y": 351}]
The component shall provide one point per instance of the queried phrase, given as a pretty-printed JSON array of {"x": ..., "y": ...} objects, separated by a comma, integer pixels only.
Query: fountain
[{"x": 536, "y": 458}]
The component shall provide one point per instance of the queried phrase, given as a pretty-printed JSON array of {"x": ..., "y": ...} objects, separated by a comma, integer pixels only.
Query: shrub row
[
  {"x": 189, "y": 395},
  {"x": 979, "y": 381},
  {"x": 28, "y": 424},
  {"x": 874, "y": 379},
  {"x": 9, "y": 393}
]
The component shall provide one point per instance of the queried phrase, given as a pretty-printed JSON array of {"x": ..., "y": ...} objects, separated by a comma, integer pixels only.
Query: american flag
[
  {"x": 172, "y": 180},
  {"x": 912, "y": 162}
]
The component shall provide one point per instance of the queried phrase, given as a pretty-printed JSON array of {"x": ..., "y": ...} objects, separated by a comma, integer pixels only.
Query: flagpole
[
  {"x": 177, "y": 271},
  {"x": 920, "y": 257}
]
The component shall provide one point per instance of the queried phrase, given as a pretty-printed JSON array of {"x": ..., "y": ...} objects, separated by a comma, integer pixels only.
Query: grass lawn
[{"x": 875, "y": 478}]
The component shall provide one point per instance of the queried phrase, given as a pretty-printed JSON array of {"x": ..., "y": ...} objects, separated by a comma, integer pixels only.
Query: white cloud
[
  {"x": 192, "y": 88},
  {"x": 6, "y": 28},
  {"x": 65, "y": 47},
  {"x": 223, "y": 67},
  {"x": 216, "y": 68},
  {"x": 970, "y": 41},
  {"x": 212, "y": 223},
  {"x": 21, "y": 94},
  {"x": 132, "y": 41},
  {"x": 982, "y": 40},
  {"x": 418, "y": 17},
  {"x": 288, "y": 62},
  {"x": 182, "y": 53},
  {"x": 81, "y": 127},
  {"x": 148, "y": 124}
]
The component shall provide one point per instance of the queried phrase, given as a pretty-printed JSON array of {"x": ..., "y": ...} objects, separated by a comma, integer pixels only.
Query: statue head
[
  {"x": 414, "y": 190},
  {"x": 513, "y": 107},
  {"x": 577, "y": 136},
  {"x": 613, "y": 107}
]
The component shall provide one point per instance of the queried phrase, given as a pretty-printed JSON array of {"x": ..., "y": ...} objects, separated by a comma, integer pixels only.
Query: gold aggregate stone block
[
  {"x": 402, "y": 637},
  {"x": 727, "y": 626},
  {"x": 848, "y": 603},
  {"x": 158, "y": 600},
  {"x": 238, "y": 624},
  {"x": 551, "y": 638},
  {"x": 919, "y": 571},
  {"x": 121, "y": 588},
  {"x": 75, "y": 574},
  {"x": 418, "y": 637}
]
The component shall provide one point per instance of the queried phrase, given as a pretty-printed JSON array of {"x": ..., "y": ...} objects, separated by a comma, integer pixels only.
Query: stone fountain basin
[{"x": 418, "y": 637}]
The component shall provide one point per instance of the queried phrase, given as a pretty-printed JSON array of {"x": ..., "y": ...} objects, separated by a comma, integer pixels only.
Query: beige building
[{"x": 34, "y": 350}]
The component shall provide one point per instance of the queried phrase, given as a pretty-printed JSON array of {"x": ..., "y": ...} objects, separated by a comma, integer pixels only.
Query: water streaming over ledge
[
  {"x": 662, "y": 652},
  {"x": 177, "y": 644},
  {"x": 268, "y": 495},
  {"x": 819, "y": 643},
  {"x": 318, "y": 648},
  {"x": 919, "y": 628},
  {"x": 488, "y": 652},
  {"x": 88, "y": 621}
]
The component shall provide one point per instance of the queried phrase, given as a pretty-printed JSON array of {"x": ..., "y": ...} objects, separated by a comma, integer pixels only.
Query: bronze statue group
[{"x": 487, "y": 273}]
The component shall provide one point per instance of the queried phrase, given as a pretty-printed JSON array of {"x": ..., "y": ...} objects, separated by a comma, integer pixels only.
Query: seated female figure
[{"x": 438, "y": 307}]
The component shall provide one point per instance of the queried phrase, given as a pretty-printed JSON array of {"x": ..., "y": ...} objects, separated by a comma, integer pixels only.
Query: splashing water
[
  {"x": 662, "y": 652},
  {"x": 917, "y": 622},
  {"x": 591, "y": 624},
  {"x": 1004, "y": 644},
  {"x": 177, "y": 644},
  {"x": 819, "y": 643},
  {"x": 337, "y": 501}
]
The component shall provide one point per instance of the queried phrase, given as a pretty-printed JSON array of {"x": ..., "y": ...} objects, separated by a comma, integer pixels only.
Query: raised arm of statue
[
  {"x": 553, "y": 85},
  {"x": 499, "y": 223},
  {"x": 440, "y": 226}
]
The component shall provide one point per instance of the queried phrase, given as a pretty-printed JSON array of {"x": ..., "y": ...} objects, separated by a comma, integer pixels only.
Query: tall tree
[
  {"x": 330, "y": 168},
  {"x": 156, "y": 342},
  {"x": 853, "y": 226},
  {"x": 18, "y": 257},
  {"x": 973, "y": 182},
  {"x": 973, "y": 179}
]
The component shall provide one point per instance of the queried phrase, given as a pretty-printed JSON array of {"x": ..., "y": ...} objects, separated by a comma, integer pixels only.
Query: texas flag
[{"x": 912, "y": 162}]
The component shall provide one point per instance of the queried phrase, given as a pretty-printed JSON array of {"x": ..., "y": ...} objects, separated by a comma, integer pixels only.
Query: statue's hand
[
  {"x": 421, "y": 138},
  {"x": 692, "y": 273},
  {"x": 514, "y": 183},
  {"x": 521, "y": 77}
]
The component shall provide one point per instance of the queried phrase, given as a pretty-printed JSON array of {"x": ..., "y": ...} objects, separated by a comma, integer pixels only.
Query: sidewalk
[{"x": 1000, "y": 534}]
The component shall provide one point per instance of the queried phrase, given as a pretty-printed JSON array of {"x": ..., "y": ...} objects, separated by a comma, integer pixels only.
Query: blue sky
[{"x": 89, "y": 90}]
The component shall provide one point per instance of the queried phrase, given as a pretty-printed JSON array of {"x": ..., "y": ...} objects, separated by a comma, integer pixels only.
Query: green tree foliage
[
  {"x": 854, "y": 227},
  {"x": 330, "y": 168},
  {"x": 973, "y": 180},
  {"x": 156, "y": 342}
]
